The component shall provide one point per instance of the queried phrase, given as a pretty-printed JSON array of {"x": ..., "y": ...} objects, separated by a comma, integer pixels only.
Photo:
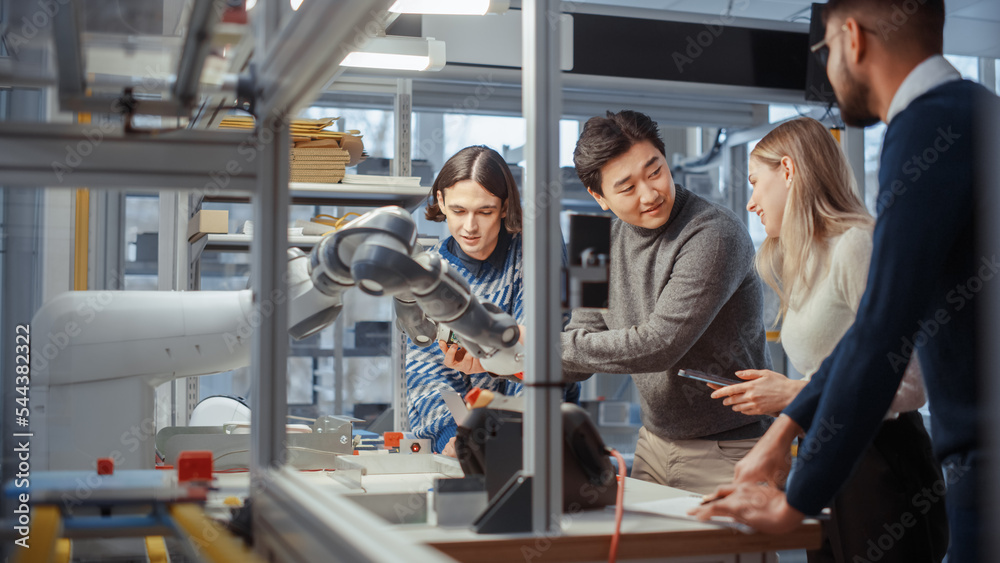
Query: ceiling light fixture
[
  {"x": 451, "y": 7},
  {"x": 399, "y": 53}
]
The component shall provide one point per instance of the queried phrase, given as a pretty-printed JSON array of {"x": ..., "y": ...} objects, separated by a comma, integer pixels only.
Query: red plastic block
[
  {"x": 194, "y": 465},
  {"x": 105, "y": 466}
]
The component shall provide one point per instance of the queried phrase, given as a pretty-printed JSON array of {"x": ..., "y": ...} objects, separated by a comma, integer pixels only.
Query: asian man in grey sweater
[{"x": 683, "y": 294}]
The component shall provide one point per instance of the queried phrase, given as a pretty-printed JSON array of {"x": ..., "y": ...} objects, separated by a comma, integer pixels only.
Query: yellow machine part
[
  {"x": 213, "y": 540},
  {"x": 46, "y": 526},
  {"x": 156, "y": 549}
]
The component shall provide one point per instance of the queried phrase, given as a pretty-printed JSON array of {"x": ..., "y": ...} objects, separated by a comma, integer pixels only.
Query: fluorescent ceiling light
[
  {"x": 399, "y": 53},
  {"x": 388, "y": 61},
  {"x": 295, "y": 4},
  {"x": 451, "y": 7}
]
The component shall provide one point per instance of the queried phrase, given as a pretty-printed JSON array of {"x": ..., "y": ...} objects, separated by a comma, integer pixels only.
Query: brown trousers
[{"x": 692, "y": 465}]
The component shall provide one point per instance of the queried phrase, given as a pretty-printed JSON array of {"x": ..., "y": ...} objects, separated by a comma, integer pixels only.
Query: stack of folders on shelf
[
  {"x": 318, "y": 164},
  {"x": 318, "y": 155},
  {"x": 406, "y": 181}
]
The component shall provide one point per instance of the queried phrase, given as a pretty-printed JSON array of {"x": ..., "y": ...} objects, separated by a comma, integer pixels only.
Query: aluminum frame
[
  {"x": 205, "y": 14},
  {"x": 94, "y": 156},
  {"x": 542, "y": 254},
  {"x": 659, "y": 89},
  {"x": 306, "y": 514},
  {"x": 302, "y": 57},
  {"x": 852, "y": 141},
  {"x": 268, "y": 363},
  {"x": 107, "y": 234},
  {"x": 69, "y": 51},
  {"x": 402, "y": 124},
  {"x": 736, "y": 160}
]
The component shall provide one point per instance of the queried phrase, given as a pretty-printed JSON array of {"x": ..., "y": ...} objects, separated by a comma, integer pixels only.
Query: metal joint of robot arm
[
  {"x": 412, "y": 320},
  {"x": 376, "y": 251},
  {"x": 482, "y": 328}
]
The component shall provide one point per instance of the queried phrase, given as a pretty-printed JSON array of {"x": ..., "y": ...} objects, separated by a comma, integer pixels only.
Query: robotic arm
[
  {"x": 92, "y": 349},
  {"x": 376, "y": 252}
]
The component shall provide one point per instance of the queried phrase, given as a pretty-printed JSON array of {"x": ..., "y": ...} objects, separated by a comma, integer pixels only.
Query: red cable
[{"x": 619, "y": 506}]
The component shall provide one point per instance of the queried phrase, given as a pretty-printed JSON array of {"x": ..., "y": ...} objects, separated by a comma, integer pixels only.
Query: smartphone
[{"x": 707, "y": 377}]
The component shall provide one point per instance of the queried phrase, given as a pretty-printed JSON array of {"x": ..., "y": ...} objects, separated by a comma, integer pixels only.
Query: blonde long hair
[{"x": 822, "y": 203}]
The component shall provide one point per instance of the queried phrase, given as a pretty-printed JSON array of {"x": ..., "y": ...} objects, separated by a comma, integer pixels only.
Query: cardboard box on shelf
[{"x": 208, "y": 221}]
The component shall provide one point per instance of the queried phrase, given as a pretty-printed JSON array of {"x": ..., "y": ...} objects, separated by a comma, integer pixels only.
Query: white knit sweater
[{"x": 817, "y": 318}]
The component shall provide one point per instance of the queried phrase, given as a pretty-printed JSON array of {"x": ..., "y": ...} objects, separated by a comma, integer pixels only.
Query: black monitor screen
[
  {"x": 818, "y": 88},
  {"x": 588, "y": 232},
  {"x": 710, "y": 52}
]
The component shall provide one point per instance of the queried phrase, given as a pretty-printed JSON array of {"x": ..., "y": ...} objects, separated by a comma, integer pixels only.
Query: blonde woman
[{"x": 816, "y": 255}]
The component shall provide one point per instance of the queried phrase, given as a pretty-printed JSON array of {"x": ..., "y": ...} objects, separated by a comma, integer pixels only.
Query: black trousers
[{"x": 892, "y": 508}]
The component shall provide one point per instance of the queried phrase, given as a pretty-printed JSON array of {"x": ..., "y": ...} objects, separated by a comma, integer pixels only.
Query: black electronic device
[
  {"x": 818, "y": 87},
  {"x": 708, "y": 377},
  {"x": 589, "y": 251},
  {"x": 588, "y": 235},
  {"x": 489, "y": 443},
  {"x": 716, "y": 50}
]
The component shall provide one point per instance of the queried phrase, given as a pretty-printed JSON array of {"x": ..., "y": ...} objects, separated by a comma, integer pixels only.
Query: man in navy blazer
[{"x": 884, "y": 61}]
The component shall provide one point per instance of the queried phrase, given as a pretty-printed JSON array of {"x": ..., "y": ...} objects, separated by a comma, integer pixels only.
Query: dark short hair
[
  {"x": 605, "y": 138},
  {"x": 487, "y": 168},
  {"x": 895, "y": 23}
]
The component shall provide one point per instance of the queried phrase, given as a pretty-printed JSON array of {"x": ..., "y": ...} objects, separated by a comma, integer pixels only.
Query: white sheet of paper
[
  {"x": 456, "y": 405},
  {"x": 678, "y": 507}
]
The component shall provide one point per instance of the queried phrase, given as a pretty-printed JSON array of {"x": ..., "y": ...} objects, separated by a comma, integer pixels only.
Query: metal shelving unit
[
  {"x": 241, "y": 243},
  {"x": 353, "y": 195},
  {"x": 359, "y": 195},
  {"x": 367, "y": 191}
]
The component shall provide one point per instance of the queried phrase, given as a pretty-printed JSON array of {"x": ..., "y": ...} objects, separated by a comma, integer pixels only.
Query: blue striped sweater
[{"x": 426, "y": 374}]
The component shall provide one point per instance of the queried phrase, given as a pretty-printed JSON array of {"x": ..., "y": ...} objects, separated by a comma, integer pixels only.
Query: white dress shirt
[{"x": 926, "y": 76}]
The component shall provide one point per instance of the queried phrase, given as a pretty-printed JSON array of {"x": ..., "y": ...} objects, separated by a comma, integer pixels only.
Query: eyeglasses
[{"x": 822, "y": 49}]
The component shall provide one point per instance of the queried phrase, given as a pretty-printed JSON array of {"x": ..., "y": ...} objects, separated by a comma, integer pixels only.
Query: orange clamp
[{"x": 392, "y": 439}]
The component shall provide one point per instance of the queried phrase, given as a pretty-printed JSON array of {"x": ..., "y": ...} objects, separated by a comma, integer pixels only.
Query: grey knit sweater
[{"x": 683, "y": 296}]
